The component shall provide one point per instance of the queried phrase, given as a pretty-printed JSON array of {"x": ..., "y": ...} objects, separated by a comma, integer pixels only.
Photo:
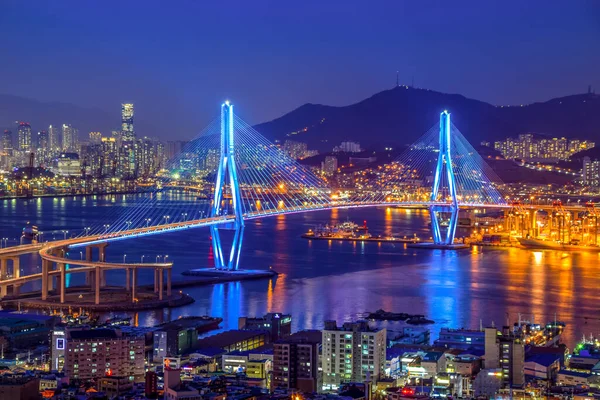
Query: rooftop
[
  {"x": 94, "y": 334},
  {"x": 308, "y": 336},
  {"x": 227, "y": 338}
]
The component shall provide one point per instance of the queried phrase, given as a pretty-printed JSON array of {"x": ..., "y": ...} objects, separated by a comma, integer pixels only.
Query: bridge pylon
[
  {"x": 227, "y": 177},
  {"x": 444, "y": 167}
]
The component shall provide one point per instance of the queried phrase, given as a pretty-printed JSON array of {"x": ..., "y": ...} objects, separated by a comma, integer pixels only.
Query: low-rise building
[
  {"x": 19, "y": 387},
  {"x": 277, "y": 324},
  {"x": 114, "y": 386}
]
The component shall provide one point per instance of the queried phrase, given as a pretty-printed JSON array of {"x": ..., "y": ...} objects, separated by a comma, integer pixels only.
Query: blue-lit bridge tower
[
  {"x": 444, "y": 167},
  {"x": 227, "y": 177}
]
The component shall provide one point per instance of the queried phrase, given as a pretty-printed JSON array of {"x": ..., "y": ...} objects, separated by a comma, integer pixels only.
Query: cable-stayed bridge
[{"x": 239, "y": 175}]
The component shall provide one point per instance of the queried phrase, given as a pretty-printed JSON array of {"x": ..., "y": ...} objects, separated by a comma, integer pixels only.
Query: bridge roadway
[{"x": 48, "y": 250}]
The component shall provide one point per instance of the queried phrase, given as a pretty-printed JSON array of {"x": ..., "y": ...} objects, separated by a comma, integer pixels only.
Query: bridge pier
[
  {"x": 168, "y": 282},
  {"x": 133, "y": 284},
  {"x": 3, "y": 268},
  {"x": 155, "y": 280},
  {"x": 3, "y": 290},
  {"x": 45, "y": 268},
  {"x": 127, "y": 278},
  {"x": 160, "y": 283},
  {"x": 63, "y": 282},
  {"x": 97, "y": 285}
]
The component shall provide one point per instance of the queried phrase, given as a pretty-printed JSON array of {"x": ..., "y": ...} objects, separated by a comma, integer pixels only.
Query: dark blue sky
[{"x": 176, "y": 60}]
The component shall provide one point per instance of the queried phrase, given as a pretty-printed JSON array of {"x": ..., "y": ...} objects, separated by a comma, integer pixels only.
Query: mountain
[
  {"x": 41, "y": 114},
  {"x": 402, "y": 114}
]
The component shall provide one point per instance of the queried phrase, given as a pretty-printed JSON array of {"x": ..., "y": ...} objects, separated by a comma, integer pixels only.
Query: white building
[{"x": 351, "y": 353}]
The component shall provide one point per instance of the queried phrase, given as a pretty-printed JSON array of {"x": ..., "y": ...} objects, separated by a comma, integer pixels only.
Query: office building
[
  {"x": 7, "y": 142},
  {"x": 176, "y": 337},
  {"x": 330, "y": 165},
  {"x": 70, "y": 140},
  {"x": 127, "y": 131},
  {"x": 42, "y": 141},
  {"x": 95, "y": 137},
  {"x": 233, "y": 340},
  {"x": 24, "y": 137},
  {"x": 296, "y": 361},
  {"x": 506, "y": 352},
  {"x": 95, "y": 353},
  {"x": 68, "y": 164},
  {"x": 351, "y": 353},
  {"x": 279, "y": 325},
  {"x": 466, "y": 339}
]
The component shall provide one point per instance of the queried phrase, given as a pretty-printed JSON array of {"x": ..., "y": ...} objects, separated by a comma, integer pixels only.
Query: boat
[
  {"x": 382, "y": 315},
  {"x": 545, "y": 244}
]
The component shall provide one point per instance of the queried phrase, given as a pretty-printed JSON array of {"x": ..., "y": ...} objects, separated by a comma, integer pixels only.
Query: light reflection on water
[{"x": 335, "y": 280}]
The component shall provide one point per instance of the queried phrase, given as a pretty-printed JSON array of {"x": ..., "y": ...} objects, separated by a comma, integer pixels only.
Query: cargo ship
[{"x": 546, "y": 244}]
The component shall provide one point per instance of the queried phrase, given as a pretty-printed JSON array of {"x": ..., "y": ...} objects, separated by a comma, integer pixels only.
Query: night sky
[{"x": 177, "y": 60}]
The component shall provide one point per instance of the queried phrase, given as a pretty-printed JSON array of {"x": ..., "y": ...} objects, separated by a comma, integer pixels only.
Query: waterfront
[{"x": 339, "y": 280}]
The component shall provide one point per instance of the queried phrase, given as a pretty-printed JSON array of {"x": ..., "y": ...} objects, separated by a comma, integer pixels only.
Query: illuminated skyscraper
[
  {"x": 24, "y": 135},
  {"x": 69, "y": 137},
  {"x": 7, "y": 142},
  {"x": 127, "y": 131},
  {"x": 53, "y": 139},
  {"x": 42, "y": 140}
]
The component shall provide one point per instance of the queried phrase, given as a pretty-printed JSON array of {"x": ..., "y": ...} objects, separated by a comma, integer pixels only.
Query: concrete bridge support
[
  {"x": 169, "y": 282},
  {"x": 63, "y": 282},
  {"x": 161, "y": 284},
  {"x": 133, "y": 284}
]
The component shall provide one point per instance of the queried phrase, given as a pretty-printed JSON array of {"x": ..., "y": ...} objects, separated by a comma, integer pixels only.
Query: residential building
[
  {"x": 330, "y": 165},
  {"x": 95, "y": 353},
  {"x": 70, "y": 139},
  {"x": 351, "y": 353},
  {"x": 7, "y": 142},
  {"x": 296, "y": 150},
  {"x": 296, "y": 361},
  {"x": 42, "y": 141},
  {"x": 53, "y": 139},
  {"x": 279, "y": 325},
  {"x": 347, "y": 147}
]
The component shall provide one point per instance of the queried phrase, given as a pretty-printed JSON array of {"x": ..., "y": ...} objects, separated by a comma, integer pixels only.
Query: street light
[
  {"x": 87, "y": 230},
  {"x": 81, "y": 254},
  {"x": 124, "y": 257},
  {"x": 148, "y": 221},
  {"x": 166, "y": 217},
  {"x": 143, "y": 258},
  {"x": 106, "y": 226},
  {"x": 183, "y": 216},
  {"x": 157, "y": 258}
]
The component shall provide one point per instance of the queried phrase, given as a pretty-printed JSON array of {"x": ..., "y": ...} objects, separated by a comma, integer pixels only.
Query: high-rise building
[
  {"x": 24, "y": 136},
  {"x": 69, "y": 139},
  {"x": 95, "y": 353},
  {"x": 109, "y": 161},
  {"x": 505, "y": 351},
  {"x": 127, "y": 132},
  {"x": 351, "y": 353},
  {"x": 42, "y": 141},
  {"x": 95, "y": 137},
  {"x": 53, "y": 139},
  {"x": 7, "y": 142},
  {"x": 330, "y": 165},
  {"x": 296, "y": 361}
]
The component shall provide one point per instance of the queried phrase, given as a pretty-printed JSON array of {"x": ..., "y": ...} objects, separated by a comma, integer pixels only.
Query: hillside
[{"x": 402, "y": 114}]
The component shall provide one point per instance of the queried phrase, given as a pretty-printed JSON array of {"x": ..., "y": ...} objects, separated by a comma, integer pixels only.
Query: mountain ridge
[{"x": 402, "y": 114}]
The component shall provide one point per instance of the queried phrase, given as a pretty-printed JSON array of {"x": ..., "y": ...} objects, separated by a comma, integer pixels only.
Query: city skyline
[{"x": 558, "y": 49}]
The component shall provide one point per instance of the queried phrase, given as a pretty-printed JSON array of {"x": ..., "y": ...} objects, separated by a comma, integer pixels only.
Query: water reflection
[{"x": 322, "y": 280}]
